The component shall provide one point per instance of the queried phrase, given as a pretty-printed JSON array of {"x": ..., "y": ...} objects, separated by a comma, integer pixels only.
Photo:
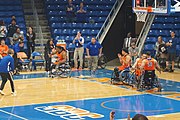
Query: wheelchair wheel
[
  {"x": 64, "y": 71},
  {"x": 114, "y": 79},
  {"x": 102, "y": 61},
  {"x": 157, "y": 84},
  {"x": 128, "y": 77}
]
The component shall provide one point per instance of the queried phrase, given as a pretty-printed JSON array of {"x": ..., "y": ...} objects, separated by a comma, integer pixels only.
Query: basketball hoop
[{"x": 141, "y": 13}]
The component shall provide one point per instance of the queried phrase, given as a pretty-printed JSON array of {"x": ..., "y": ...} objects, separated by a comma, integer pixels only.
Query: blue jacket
[
  {"x": 6, "y": 64},
  {"x": 17, "y": 48}
]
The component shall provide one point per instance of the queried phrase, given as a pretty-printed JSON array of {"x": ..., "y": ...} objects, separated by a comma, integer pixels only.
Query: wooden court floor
[{"x": 47, "y": 90}]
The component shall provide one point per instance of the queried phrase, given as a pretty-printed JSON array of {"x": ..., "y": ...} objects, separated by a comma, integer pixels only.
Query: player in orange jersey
[{"x": 3, "y": 48}]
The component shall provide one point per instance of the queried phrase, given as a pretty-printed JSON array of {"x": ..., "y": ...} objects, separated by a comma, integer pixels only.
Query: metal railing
[
  {"x": 109, "y": 20},
  {"x": 38, "y": 27},
  {"x": 144, "y": 32}
]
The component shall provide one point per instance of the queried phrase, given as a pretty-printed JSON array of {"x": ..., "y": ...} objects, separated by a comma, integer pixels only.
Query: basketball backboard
[{"x": 156, "y": 6}]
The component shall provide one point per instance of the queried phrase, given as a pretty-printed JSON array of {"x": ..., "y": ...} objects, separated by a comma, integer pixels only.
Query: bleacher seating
[
  {"x": 97, "y": 11},
  {"x": 13, "y": 7},
  {"x": 163, "y": 25}
]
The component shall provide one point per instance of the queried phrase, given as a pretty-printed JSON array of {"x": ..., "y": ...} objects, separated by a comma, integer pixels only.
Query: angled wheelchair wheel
[
  {"x": 114, "y": 79},
  {"x": 157, "y": 84},
  {"x": 128, "y": 77},
  {"x": 102, "y": 61},
  {"x": 64, "y": 71}
]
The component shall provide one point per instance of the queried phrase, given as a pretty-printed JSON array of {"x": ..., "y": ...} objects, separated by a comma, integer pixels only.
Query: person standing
[
  {"x": 31, "y": 36},
  {"x": 48, "y": 53},
  {"x": 133, "y": 52},
  {"x": 6, "y": 71},
  {"x": 81, "y": 15},
  {"x": 127, "y": 41},
  {"x": 94, "y": 50},
  {"x": 70, "y": 12},
  {"x": 79, "y": 50},
  {"x": 171, "y": 48}
]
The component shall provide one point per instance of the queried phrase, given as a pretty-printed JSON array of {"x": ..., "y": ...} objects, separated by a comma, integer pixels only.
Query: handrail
[
  {"x": 144, "y": 32},
  {"x": 38, "y": 27},
  {"x": 109, "y": 20}
]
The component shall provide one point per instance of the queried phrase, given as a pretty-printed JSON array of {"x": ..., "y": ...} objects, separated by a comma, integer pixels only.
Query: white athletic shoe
[
  {"x": 1, "y": 92},
  {"x": 13, "y": 93}
]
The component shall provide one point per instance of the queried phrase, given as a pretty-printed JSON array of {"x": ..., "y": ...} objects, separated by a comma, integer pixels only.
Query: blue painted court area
[{"x": 97, "y": 109}]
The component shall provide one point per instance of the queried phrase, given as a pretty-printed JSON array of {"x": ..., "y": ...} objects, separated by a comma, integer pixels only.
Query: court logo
[{"x": 68, "y": 112}]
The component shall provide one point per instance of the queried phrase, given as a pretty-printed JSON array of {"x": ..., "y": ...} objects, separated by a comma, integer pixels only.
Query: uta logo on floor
[{"x": 68, "y": 112}]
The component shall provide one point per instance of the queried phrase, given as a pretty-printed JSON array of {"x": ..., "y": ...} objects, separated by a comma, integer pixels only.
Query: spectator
[
  {"x": 48, "y": 53},
  {"x": 18, "y": 47},
  {"x": 11, "y": 30},
  {"x": 3, "y": 48},
  {"x": 81, "y": 13},
  {"x": 10, "y": 19},
  {"x": 93, "y": 49},
  {"x": 3, "y": 30},
  {"x": 70, "y": 12},
  {"x": 31, "y": 36},
  {"x": 79, "y": 50},
  {"x": 18, "y": 36},
  {"x": 133, "y": 52},
  {"x": 159, "y": 42},
  {"x": 171, "y": 47},
  {"x": 127, "y": 41}
]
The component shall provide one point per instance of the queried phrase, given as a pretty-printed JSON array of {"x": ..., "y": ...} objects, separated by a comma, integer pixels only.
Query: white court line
[{"x": 13, "y": 115}]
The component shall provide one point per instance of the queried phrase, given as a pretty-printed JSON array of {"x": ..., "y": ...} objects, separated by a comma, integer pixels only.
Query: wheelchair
[
  {"x": 149, "y": 80},
  {"x": 126, "y": 77},
  {"x": 63, "y": 70}
]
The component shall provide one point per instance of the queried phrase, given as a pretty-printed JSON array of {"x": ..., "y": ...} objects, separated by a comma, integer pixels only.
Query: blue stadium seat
[
  {"x": 151, "y": 40},
  {"x": 168, "y": 26},
  {"x": 153, "y": 33}
]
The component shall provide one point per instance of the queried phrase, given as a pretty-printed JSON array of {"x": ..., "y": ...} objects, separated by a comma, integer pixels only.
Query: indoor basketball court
[{"x": 83, "y": 97}]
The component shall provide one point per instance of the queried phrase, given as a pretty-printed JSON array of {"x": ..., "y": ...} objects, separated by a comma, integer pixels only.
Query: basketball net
[
  {"x": 141, "y": 17},
  {"x": 141, "y": 13}
]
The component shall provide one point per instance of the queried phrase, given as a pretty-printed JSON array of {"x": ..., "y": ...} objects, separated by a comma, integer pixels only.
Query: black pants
[
  {"x": 5, "y": 77},
  {"x": 48, "y": 64},
  {"x": 31, "y": 48}
]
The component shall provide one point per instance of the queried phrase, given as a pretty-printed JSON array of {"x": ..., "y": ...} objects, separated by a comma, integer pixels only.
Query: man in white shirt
[{"x": 127, "y": 41}]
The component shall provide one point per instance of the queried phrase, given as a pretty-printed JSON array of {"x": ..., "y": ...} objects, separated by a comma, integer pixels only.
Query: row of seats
[
  {"x": 153, "y": 40},
  {"x": 89, "y": 7},
  {"x": 89, "y": 2},
  {"x": 170, "y": 19},
  {"x": 89, "y": 13},
  {"x": 77, "y": 25},
  {"x": 165, "y": 26},
  {"x": 164, "y": 33},
  {"x": 59, "y": 19}
]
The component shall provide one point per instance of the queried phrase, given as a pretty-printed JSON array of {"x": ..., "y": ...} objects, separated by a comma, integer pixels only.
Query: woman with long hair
[{"x": 47, "y": 53}]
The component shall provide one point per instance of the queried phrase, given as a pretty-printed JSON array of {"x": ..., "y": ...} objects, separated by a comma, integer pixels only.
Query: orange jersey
[
  {"x": 138, "y": 71},
  {"x": 60, "y": 57},
  {"x": 124, "y": 65},
  {"x": 3, "y": 49},
  {"x": 149, "y": 64}
]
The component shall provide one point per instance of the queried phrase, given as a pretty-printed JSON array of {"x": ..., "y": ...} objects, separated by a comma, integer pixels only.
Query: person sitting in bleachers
[
  {"x": 18, "y": 36},
  {"x": 3, "y": 49},
  {"x": 70, "y": 12},
  {"x": 11, "y": 30},
  {"x": 3, "y": 30},
  {"x": 18, "y": 47},
  {"x": 81, "y": 15}
]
